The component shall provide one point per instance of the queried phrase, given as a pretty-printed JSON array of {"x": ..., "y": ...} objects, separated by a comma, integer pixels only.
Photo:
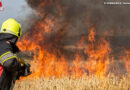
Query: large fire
[
  {"x": 92, "y": 57},
  {"x": 49, "y": 64}
]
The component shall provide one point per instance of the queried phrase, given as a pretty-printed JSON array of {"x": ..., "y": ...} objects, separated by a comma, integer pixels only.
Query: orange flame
[
  {"x": 127, "y": 60},
  {"x": 97, "y": 53}
]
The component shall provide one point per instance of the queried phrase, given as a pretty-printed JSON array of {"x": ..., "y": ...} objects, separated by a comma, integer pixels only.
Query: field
[{"x": 90, "y": 83}]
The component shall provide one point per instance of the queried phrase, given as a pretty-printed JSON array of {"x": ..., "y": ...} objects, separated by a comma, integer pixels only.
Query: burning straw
[{"x": 61, "y": 19}]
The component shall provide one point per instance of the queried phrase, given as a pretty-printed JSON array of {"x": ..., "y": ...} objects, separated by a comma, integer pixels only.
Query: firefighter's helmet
[{"x": 11, "y": 26}]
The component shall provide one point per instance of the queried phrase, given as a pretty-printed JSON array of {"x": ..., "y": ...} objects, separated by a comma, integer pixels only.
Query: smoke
[
  {"x": 72, "y": 15},
  {"x": 113, "y": 19},
  {"x": 77, "y": 17}
]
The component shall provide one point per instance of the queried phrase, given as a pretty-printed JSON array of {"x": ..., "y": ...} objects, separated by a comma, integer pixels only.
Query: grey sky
[{"x": 14, "y": 9}]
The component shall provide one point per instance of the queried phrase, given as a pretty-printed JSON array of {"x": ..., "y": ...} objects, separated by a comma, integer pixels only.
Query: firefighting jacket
[{"x": 9, "y": 63}]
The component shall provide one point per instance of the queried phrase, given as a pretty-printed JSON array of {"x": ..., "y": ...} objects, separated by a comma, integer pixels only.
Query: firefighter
[{"x": 9, "y": 64}]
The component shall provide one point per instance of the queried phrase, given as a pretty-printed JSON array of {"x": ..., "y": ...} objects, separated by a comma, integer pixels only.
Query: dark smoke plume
[
  {"x": 114, "y": 18},
  {"x": 78, "y": 16}
]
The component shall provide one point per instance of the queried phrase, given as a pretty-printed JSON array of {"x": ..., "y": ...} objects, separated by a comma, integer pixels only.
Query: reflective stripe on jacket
[{"x": 6, "y": 56}]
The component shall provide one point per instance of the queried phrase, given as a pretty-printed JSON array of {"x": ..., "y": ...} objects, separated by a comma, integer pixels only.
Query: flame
[
  {"x": 127, "y": 60},
  {"x": 49, "y": 64},
  {"x": 49, "y": 61},
  {"x": 98, "y": 54}
]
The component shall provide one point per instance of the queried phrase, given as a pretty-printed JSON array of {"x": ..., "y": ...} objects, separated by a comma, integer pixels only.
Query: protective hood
[
  {"x": 12, "y": 39},
  {"x": 8, "y": 37}
]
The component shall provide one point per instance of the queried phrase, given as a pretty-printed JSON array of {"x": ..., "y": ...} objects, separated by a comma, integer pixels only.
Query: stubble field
[{"x": 69, "y": 83}]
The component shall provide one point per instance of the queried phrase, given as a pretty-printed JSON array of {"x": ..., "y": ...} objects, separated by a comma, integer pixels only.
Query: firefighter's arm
[
  {"x": 9, "y": 61},
  {"x": 12, "y": 64}
]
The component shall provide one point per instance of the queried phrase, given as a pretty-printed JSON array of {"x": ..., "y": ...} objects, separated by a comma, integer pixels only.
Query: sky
[{"x": 14, "y": 9}]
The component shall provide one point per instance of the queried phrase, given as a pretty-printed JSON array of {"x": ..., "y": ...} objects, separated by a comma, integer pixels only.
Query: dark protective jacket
[{"x": 9, "y": 63}]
